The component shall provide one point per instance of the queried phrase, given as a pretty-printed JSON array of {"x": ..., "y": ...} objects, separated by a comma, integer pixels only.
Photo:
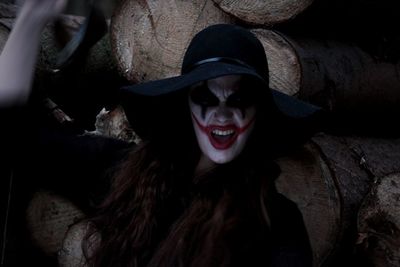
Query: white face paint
[{"x": 223, "y": 116}]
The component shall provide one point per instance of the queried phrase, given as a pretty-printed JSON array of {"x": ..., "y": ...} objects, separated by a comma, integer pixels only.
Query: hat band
[{"x": 228, "y": 60}]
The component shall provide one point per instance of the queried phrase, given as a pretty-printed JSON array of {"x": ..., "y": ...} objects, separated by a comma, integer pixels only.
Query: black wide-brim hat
[{"x": 216, "y": 51}]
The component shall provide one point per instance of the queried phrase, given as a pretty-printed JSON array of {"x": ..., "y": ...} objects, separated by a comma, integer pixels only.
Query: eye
[
  {"x": 202, "y": 96},
  {"x": 247, "y": 95},
  {"x": 241, "y": 99}
]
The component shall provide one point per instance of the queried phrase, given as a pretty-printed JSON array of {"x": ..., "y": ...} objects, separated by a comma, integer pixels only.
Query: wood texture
[
  {"x": 356, "y": 162},
  {"x": 48, "y": 219},
  {"x": 307, "y": 180},
  {"x": 342, "y": 77},
  {"x": 98, "y": 59},
  {"x": 329, "y": 179},
  {"x": 284, "y": 65},
  {"x": 114, "y": 124},
  {"x": 264, "y": 12},
  {"x": 149, "y": 37},
  {"x": 363, "y": 92},
  {"x": 379, "y": 223}
]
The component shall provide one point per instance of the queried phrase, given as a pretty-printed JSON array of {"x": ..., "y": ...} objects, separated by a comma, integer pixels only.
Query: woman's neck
[{"x": 203, "y": 166}]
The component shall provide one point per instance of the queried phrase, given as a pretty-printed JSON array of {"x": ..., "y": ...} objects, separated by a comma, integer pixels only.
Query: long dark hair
[{"x": 159, "y": 214}]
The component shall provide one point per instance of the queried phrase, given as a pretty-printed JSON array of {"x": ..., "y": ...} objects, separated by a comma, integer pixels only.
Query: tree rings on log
[
  {"x": 149, "y": 37},
  {"x": 379, "y": 223},
  {"x": 264, "y": 12},
  {"x": 329, "y": 178},
  {"x": 48, "y": 219},
  {"x": 283, "y": 63}
]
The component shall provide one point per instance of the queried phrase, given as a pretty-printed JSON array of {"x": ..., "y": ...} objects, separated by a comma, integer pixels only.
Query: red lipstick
[{"x": 222, "y": 136}]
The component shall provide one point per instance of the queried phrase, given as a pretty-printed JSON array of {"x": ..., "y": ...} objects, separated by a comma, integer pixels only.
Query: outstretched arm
[{"x": 18, "y": 58}]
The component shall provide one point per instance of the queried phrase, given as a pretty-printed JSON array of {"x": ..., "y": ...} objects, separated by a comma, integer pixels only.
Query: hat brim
[
  {"x": 288, "y": 105},
  {"x": 201, "y": 73}
]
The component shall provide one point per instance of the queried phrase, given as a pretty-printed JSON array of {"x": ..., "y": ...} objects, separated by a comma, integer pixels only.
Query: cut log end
[
  {"x": 307, "y": 181},
  {"x": 149, "y": 38},
  {"x": 48, "y": 219},
  {"x": 283, "y": 63},
  {"x": 262, "y": 12}
]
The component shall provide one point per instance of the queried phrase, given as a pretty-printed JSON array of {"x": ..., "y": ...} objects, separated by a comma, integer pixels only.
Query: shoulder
[{"x": 72, "y": 251}]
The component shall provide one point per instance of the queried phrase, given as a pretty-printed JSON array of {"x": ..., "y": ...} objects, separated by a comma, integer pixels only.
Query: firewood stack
[{"x": 349, "y": 65}]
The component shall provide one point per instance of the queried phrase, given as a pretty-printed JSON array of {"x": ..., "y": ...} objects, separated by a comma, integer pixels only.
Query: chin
[{"x": 221, "y": 158}]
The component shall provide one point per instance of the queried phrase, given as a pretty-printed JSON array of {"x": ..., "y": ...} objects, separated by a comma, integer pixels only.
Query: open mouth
[{"x": 222, "y": 137}]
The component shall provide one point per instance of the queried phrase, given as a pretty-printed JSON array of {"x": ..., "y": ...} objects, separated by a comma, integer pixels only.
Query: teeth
[{"x": 223, "y": 133}]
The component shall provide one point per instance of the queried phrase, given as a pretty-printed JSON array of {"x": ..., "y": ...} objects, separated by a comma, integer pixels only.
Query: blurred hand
[
  {"x": 19, "y": 55},
  {"x": 43, "y": 9}
]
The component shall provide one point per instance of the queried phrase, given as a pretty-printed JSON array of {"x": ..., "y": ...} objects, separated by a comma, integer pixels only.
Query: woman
[{"x": 199, "y": 190}]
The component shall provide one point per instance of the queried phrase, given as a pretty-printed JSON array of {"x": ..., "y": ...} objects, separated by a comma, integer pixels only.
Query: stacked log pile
[
  {"x": 354, "y": 75},
  {"x": 154, "y": 48},
  {"x": 328, "y": 179}
]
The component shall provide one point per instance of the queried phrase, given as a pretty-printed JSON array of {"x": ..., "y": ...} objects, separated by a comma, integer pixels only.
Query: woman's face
[{"x": 223, "y": 115}]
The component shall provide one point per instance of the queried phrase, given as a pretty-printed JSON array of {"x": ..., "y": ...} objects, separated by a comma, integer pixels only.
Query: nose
[{"x": 223, "y": 113}]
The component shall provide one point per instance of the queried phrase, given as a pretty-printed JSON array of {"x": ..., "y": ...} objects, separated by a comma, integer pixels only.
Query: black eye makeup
[
  {"x": 202, "y": 96},
  {"x": 247, "y": 95},
  {"x": 241, "y": 99}
]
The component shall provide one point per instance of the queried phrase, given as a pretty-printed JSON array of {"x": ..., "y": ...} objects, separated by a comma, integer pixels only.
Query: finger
[{"x": 60, "y": 5}]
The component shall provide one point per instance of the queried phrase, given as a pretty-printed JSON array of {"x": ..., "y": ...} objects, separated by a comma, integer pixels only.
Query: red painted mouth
[{"x": 222, "y": 136}]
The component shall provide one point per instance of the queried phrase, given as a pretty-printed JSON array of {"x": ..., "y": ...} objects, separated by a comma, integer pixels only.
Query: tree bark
[
  {"x": 379, "y": 223},
  {"x": 328, "y": 179},
  {"x": 338, "y": 76},
  {"x": 262, "y": 12},
  {"x": 149, "y": 37}
]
